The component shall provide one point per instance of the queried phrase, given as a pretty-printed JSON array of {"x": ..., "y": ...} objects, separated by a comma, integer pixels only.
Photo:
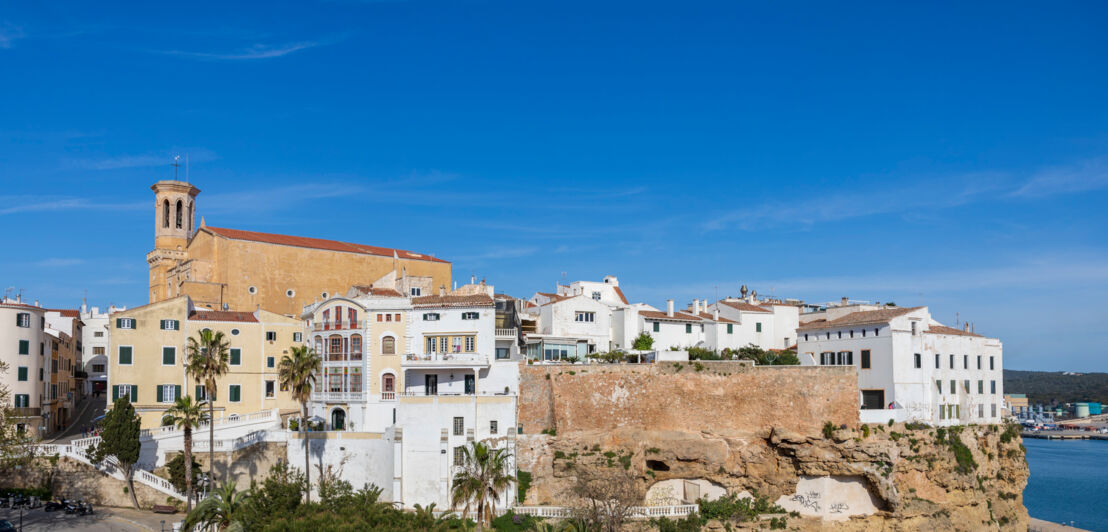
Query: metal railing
[
  {"x": 334, "y": 325},
  {"x": 446, "y": 358},
  {"x": 342, "y": 357}
]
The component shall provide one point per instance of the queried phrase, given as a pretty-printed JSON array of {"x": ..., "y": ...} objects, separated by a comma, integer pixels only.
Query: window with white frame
[
  {"x": 125, "y": 323},
  {"x": 470, "y": 315},
  {"x": 587, "y": 317},
  {"x": 493, "y": 428},
  {"x": 23, "y": 319},
  {"x": 459, "y": 426},
  {"x": 430, "y": 316},
  {"x": 168, "y": 393}
]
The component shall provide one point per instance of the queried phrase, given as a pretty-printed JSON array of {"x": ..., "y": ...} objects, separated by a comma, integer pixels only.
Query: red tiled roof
[
  {"x": 223, "y": 315},
  {"x": 371, "y": 291},
  {"x": 743, "y": 306},
  {"x": 942, "y": 329},
  {"x": 317, "y": 243},
  {"x": 859, "y": 318},
  {"x": 658, "y": 315},
  {"x": 622, "y": 297},
  {"x": 711, "y": 317},
  {"x": 66, "y": 312},
  {"x": 476, "y": 300}
]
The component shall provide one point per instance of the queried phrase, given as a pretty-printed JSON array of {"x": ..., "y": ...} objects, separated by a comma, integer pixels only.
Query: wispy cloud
[
  {"x": 499, "y": 253},
  {"x": 253, "y": 52},
  {"x": 22, "y": 204},
  {"x": 195, "y": 155},
  {"x": 1082, "y": 177},
  {"x": 9, "y": 33},
  {"x": 59, "y": 262}
]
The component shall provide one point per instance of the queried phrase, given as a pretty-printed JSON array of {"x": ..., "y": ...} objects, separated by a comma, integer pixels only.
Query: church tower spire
[{"x": 174, "y": 225}]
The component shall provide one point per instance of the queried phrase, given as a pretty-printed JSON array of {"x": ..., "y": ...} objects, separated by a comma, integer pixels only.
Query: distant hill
[{"x": 1049, "y": 387}]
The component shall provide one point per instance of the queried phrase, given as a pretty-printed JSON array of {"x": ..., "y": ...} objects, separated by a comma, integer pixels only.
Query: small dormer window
[{"x": 416, "y": 291}]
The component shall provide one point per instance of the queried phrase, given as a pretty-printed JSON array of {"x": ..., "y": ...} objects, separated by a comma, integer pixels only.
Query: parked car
[{"x": 6, "y": 526}]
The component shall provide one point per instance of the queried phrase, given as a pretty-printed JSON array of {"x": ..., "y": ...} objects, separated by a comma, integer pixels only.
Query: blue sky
[{"x": 943, "y": 154}]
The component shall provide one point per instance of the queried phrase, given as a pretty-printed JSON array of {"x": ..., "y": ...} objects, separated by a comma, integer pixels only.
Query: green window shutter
[
  {"x": 161, "y": 324},
  {"x": 22, "y": 373},
  {"x": 757, "y": 327},
  {"x": 134, "y": 393},
  {"x": 119, "y": 323},
  {"x": 657, "y": 326},
  {"x": 115, "y": 393},
  {"x": 169, "y": 356},
  {"x": 159, "y": 393},
  {"x": 235, "y": 393},
  {"x": 730, "y": 328},
  {"x": 124, "y": 354},
  {"x": 688, "y": 328},
  {"x": 177, "y": 390},
  {"x": 24, "y": 347},
  {"x": 197, "y": 395},
  {"x": 236, "y": 356},
  {"x": 176, "y": 325}
]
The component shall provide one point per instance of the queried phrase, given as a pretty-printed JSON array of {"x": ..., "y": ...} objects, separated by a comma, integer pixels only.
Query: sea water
[{"x": 1069, "y": 482}]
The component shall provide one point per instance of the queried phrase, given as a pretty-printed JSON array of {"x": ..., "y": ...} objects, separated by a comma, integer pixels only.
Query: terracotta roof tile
[
  {"x": 317, "y": 243},
  {"x": 859, "y": 318},
  {"x": 711, "y": 317},
  {"x": 223, "y": 315},
  {"x": 476, "y": 300},
  {"x": 744, "y": 306},
  {"x": 622, "y": 297},
  {"x": 371, "y": 291},
  {"x": 942, "y": 329},
  {"x": 67, "y": 312},
  {"x": 658, "y": 315}
]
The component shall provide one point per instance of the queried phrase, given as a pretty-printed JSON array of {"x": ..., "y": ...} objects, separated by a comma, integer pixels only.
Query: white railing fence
[
  {"x": 111, "y": 468},
  {"x": 232, "y": 420},
  {"x": 637, "y": 512}
]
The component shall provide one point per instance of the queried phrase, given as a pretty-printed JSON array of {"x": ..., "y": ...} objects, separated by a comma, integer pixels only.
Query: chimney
[
  {"x": 715, "y": 313},
  {"x": 669, "y": 308},
  {"x": 845, "y": 301},
  {"x": 965, "y": 327},
  {"x": 442, "y": 290},
  {"x": 695, "y": 307}
]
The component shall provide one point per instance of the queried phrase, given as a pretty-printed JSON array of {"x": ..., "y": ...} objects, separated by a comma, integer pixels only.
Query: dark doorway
[
  {"x": 431, "y": 384},
  {"x": 338, "y": 420},
  {"x": 471, "y": 385}
]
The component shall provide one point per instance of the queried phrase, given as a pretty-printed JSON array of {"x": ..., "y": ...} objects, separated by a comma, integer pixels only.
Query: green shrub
[
  {"x": 691, "y": 523},
  {"x": 913, "y": 425},
  {"x": 731, "y": 507},
  {"x": 865, "y": 431},
  {"x": 1010, "y": 433},
  {"x": 524, "y": 485},
  {"x": 962, "y": 455},
  {"x": 828, "y": 429},
  {"x": 510, "y": 522}
]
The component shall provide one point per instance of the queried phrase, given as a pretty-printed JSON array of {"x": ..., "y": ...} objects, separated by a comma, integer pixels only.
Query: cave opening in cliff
[{"x": 657, "y": 465}]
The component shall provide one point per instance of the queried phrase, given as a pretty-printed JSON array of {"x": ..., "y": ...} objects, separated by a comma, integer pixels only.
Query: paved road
[
  {"x": 87, "y": 410},
  {"x": 105, "y": 520}
]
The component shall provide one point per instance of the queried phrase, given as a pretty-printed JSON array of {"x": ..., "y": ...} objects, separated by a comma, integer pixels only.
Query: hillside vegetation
[{"x": 1048, "y": 387}]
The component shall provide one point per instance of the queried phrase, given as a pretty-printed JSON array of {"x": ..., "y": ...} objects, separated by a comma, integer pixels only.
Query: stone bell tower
[{"x": 174, "y": 225}]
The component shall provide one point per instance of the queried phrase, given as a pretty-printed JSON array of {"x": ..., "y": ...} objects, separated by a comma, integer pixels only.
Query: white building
[
  {"x": 96, "y": 339},
  {"x": 22, "y": 335},
  {"x": 910, "y": 367},
  {"x": 769, "y": 324},
  {"x": 406, "y": 383}
]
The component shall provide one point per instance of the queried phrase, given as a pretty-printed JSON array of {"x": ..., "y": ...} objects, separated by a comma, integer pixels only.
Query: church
[{"x": 232, "y": 269}]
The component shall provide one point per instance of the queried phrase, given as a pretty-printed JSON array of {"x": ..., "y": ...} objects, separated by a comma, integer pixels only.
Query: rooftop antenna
[
  {"x": 958, "y": 319},
  {"x": 186, "y": 167},
  {"x": 176, "y": 165}
]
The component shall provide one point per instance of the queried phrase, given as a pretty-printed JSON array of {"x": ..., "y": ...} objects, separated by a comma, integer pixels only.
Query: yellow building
[
  {"x": 231, "y": 269},
  {"x": 149, "y": 350}
]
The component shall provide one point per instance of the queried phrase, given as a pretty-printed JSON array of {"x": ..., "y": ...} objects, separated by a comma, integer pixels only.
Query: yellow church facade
[{"x": 232, "y": 269}]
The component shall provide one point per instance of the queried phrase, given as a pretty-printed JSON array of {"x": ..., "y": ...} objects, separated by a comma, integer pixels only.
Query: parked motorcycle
[
  {"x": 85, "y": 509},
  {"x": 71, "y": 507},
  {"x": 56, "y": 504}
]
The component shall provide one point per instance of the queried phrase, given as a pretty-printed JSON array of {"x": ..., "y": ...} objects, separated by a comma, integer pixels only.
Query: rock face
[{"x": 848, "y": 478}]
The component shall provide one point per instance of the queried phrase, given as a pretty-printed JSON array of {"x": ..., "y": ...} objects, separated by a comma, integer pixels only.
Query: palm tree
[
  {"x": 186, "y": 415},
  {"x": 480, "y": 480},
  {"x": 222, "y": 510},
  {"x": 297, "y": 374},
  {"x": 207, "y": 361}
]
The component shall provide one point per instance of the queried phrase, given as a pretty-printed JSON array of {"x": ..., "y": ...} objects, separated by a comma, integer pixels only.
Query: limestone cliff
[{"x": 836, "y": 473}]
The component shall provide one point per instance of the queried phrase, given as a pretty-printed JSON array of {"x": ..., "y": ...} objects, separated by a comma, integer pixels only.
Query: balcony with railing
[
  {"x": 430, "y": 360},
  {"x": 337, "y": 357},
  {"x": 26, "y": 411},
  {"x": 502, "y": 334},
  {"x": 338, "y": 397},
  {"x": 338, "y": 325}
]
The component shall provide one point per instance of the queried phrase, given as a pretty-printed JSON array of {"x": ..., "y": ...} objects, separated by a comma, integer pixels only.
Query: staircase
[{"x": 109, "y": 466}]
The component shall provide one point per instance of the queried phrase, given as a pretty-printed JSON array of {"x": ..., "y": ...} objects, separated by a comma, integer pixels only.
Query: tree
[
  {"x": 186, "y": 415},
  {"x": 176, "y": 469},
  {"x": 297, "y": 373},
  {"x": 763, "y": 357},
  {"x": 119, "y": 439},
  {"x": 643, "y": 342},
  {"x": 607, "y": 497},
  {"x": 222, "y": 510},
  {"x": 480, "y": 480},
  {"x": 16, "y": 446},
  {"x": 207, "y": 362}
]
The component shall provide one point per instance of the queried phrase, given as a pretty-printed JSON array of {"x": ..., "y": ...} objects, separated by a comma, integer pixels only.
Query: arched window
[
  {"x": 334, "y": 351},
  {"x": 356, "y": 344},
  {"x": 180, "y": 214},
  {"x": 388, "y": 345},
  {"x": 165, "y": 214},
  {"x": 319, "y": 345},
  {"x": 388, "y": 383}
]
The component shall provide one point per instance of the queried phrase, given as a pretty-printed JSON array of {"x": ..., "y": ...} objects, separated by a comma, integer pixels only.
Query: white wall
[{"x": 560, "y": 319}]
